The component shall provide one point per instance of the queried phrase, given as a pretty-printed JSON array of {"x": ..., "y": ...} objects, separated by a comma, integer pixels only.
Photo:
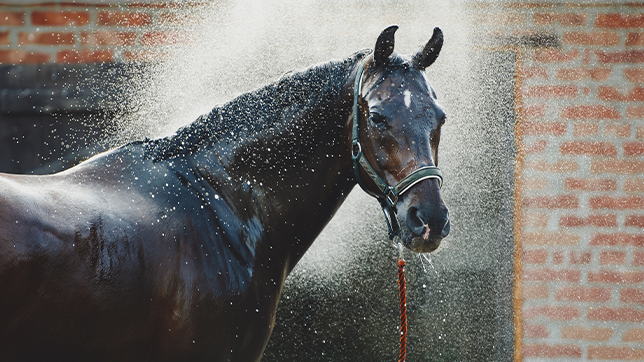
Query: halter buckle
[
  {"x": 356, "y": 149},
  {"x": 391, "y": 196}
]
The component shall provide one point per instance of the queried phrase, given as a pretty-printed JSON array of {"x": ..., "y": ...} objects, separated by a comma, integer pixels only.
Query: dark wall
[
  {"x": 52, "y": 116},
  {"x": 42, "y": 143}
]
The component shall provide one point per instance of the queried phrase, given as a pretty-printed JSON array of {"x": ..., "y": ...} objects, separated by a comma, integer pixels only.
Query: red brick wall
[
  {"x": 580, "y": 177},
  {"x": 67, "y": 32}
]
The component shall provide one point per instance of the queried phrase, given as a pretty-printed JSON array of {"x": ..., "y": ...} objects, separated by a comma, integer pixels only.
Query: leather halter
[{"x": 389, "y": 195}]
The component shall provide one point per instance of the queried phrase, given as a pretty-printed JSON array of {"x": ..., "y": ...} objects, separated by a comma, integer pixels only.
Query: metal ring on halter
[{"x": 357, "y": 149}]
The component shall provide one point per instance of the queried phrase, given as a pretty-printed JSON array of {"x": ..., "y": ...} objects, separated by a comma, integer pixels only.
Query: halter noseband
[{"x": 389, "y": 195}]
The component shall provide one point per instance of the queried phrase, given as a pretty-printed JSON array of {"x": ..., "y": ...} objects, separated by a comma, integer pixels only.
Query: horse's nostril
[
  {"x": 415, "y": 221},
  {"x": 426, "y": 222}
]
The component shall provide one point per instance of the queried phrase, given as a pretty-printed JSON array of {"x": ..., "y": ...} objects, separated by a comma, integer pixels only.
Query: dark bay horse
[{"x": 177, "y": 249}]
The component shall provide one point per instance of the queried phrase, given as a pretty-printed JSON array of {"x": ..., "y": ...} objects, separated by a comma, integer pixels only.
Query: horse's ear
[
  {"x": 426, "y": 56},
  {"x": 384, "y": 46}
]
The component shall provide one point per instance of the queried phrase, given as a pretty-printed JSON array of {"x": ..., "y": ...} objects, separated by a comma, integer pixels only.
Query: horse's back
[
  {"x": 28, "y": 217},
  {"x": 68, "y": 267},
  {"x": 120, "y": 258}
]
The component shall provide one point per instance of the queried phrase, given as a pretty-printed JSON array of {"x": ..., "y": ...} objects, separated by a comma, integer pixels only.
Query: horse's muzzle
[{"x": 427, "y": 227}]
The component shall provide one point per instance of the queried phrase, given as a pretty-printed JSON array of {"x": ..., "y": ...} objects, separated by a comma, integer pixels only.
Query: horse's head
[{"x": 399, "y": 125}]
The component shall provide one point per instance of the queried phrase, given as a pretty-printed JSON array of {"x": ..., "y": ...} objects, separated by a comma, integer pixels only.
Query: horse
[{"x": 177, "y": 248}]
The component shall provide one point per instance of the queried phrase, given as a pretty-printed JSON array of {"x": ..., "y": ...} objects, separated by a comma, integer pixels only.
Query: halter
[{"x": 389, "y": 195}]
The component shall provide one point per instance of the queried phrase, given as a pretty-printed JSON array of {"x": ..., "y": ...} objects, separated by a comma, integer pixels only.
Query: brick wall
[
  {"x": 70, "y": 32},
  {"x": 580, "y": 175}
]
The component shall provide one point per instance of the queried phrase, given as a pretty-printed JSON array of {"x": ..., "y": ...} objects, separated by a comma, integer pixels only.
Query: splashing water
[
  {"x": 428, "y": 258},
  {"x": 397, "y": 244},
  {"x": 400, "y": 248},
  {"x": 338, "y": 300}
]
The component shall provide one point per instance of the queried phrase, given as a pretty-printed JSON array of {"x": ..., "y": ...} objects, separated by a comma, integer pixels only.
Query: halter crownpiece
[{"x": 389, "y": 195}]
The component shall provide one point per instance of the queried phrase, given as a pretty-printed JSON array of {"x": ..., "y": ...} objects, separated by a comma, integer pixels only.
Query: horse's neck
[{"x": 292, "y": 177}]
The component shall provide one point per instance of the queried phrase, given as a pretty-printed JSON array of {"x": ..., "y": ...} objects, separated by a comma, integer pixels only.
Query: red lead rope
[{"x": 403, "y": 311}]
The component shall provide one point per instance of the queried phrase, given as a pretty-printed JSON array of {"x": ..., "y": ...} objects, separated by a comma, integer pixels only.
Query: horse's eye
[{"x": 378, "y": 120}]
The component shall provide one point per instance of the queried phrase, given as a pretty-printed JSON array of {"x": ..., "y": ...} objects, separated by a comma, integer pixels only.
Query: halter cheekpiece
[{"x": 389, "y": 195}]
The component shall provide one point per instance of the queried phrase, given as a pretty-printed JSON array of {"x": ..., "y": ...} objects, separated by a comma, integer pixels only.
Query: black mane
[{"x": 259, "y": 110}]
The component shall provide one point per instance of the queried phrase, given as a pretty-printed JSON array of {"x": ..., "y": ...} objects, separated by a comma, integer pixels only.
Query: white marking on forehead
[{"x": 407, "y": 95}]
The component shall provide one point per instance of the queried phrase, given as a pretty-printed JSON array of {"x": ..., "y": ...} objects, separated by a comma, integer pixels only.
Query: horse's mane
[{"x": 259, "y": 110}]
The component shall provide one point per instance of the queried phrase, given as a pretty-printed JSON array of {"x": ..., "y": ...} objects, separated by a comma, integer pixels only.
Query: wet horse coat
[{"x": 178, "y": 248}]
